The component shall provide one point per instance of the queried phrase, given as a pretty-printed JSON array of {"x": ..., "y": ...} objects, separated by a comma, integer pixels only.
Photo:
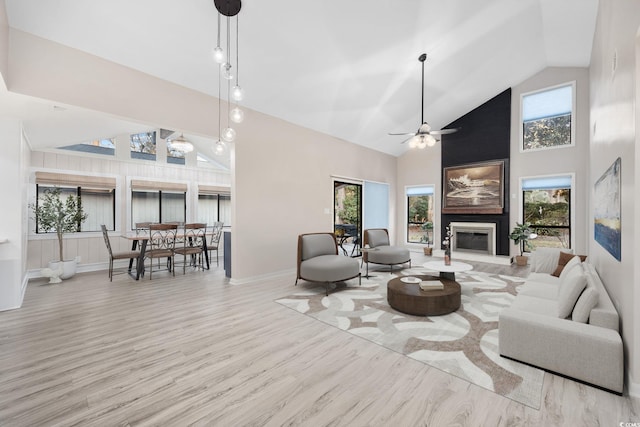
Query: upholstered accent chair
[
  {"x": 318, "y": 260},
  {"x": 380, "y": 251}
]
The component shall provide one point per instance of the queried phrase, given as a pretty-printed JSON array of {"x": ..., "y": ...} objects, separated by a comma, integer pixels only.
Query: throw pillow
[
  {"x": 586, "y": 302},
  {"x": 563, "y": 260},
  {"x": 570, "y": 289},
  {"x": 544, "y": 260}
]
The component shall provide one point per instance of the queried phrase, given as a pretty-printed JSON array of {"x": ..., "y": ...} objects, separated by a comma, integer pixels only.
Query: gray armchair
[
  {"x": 318, "y": 260},
  {"x": 380, "y": 251}
]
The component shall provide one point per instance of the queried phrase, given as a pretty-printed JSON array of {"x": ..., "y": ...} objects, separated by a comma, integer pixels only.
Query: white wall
[
  {"x": 573, "y": 159},
  {"x": 614, "y": 134},
  {"x": 12, "y": 216},
  {"x": 283, "y": 187}
]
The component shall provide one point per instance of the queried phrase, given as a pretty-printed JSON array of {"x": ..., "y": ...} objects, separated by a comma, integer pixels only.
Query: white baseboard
[
  {"x": 633, "y": 388},
  {"x": 264, "y": 277}
]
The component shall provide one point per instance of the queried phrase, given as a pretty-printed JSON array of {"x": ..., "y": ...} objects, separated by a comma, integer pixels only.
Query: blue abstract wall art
[{"x": 607, "y": 225}]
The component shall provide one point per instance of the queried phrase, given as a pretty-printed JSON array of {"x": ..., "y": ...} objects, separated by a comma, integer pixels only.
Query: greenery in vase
[
  {"x": 428, "y": 228},
  {"x": 52, "y": 213},
  {"x": 520, "y": 235},
  {"x": 446, "y": 243}
]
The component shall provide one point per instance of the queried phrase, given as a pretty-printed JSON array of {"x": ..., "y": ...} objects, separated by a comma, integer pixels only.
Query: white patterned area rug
[{"x": 463, "y": 343}]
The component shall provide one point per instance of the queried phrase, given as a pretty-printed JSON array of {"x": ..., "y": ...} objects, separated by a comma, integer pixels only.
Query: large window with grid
[
  {"x": 153, "y": 201},
  {"x": 214, "y": 204},
  {"x": 97, "y": 195},
  {"x": 547, "y": 207}
]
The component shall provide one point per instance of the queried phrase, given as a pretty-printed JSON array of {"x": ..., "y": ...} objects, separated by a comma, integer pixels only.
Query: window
[
  {"x": 175, "y": 157},
  {"x": 214, "y": 204},
  {"x": 548, "y": 118},
  {"x": 97, "y": 195},
  {"x": 153, "y": 201},
  {"x": 547, "y": 207},
  {"x": 420, "y": 214},
  {"x": 143, "y": 146},
  {"x": 105, "y": 147}
]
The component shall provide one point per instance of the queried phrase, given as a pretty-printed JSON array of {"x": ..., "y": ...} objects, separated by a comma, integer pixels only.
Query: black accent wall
[{"x": 483, "y": 136}]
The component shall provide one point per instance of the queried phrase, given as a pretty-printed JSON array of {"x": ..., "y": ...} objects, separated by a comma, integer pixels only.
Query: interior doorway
[{"x": 347, "y": 216}]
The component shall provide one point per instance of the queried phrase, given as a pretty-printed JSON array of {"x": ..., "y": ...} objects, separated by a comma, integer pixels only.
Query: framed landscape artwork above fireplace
[{"x": 476, "y": 188}]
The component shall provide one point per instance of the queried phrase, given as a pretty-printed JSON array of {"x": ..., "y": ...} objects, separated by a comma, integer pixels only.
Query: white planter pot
[{"x": 68, "y": 268}]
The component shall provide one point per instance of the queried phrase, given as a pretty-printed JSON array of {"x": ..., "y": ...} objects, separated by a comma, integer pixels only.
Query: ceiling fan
[{"x": 423, "y": 137}]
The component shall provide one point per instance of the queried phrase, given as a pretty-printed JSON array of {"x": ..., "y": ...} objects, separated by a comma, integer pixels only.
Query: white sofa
[{"x": 567, "y": 324}]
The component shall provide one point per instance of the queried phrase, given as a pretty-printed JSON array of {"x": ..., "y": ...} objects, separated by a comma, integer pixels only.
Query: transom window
[
  {"x": 105, "y": 147},
  {"x": 143, "y": 146},
  {"x": 548, "y": 118}
]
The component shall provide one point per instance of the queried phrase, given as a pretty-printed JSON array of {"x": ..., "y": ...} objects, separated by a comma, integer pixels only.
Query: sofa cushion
[
  {"x": 571, "y": 287},
  {"x": 536, "y": 305},
  {"x": 563, "y": 259},
  {"x": 574, "y": 262},
  {"x": 329, "y": 268},
  {"x": 388, "y": 255},
  {"x": 587, "y": 301},
  {"x": 540, "y": 290},
  {"x": 543, "y": 278},
  {"x": 544, "y": 260}
]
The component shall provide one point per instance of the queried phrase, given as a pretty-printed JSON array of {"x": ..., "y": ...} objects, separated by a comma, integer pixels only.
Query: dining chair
[
  {"x": 116, "y": 255},
  {"x": 214, "y": 243},
  {"x": 192, "y": 245},
  {"x": 162, "y": 239}
]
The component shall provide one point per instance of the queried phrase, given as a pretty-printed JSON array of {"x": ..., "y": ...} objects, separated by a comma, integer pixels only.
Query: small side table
[{"x": 447, "y": 271}]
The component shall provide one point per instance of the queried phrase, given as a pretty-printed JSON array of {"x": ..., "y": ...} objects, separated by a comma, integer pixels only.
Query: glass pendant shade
[
  {"x": 218, "y": 55},
  {"x": 236, "y": 115},
  {"x": 430, "y": 140},
  {"x": 237, "y": 93},
  {"x": 229, "y": 134},
  {"x": 220, "y": 148},
  {"x": 226, "y": 71},
  {"x": 422, "y": 144},
  {"x": 413, "y": 142},
  {"x": 181, "y": 144}
]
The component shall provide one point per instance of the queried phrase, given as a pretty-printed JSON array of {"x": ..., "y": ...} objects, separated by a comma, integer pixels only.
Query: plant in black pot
[
  {"x": 521, "y": 234},
  {"x": 427, "y": 227},
  {"x": 53, "y": 213}
]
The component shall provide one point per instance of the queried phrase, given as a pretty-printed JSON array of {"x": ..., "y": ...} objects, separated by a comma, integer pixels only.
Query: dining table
[{"x": 141, "y": 238}]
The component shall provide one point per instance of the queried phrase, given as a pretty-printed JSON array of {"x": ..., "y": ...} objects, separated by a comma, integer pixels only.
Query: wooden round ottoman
[{"x": 409, "y": 298}]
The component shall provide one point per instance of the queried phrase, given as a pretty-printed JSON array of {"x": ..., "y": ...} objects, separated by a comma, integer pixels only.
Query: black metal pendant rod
[{"x": 422, "y": 58}]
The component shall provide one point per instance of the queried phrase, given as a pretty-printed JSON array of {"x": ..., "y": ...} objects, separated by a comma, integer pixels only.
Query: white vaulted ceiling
[{"x": 345, "y": 68}]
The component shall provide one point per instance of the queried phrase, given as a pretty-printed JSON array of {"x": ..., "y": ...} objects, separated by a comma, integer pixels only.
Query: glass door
[{"x": 347, "y": 214}]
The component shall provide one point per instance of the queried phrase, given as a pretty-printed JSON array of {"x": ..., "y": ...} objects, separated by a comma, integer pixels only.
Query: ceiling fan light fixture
[{"x": 430, "y": 140}]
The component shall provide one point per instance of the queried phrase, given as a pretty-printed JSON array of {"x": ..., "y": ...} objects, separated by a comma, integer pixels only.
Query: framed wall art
[
  {"x": 606, "y": 215},
  {"x": 476, "y": 188}
]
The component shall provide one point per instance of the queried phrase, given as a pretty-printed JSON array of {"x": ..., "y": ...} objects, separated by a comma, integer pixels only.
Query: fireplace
[{"x": 476, "y": 237}]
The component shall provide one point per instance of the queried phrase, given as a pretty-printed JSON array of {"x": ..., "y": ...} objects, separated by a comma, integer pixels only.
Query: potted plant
[
  {"x": 426, "y": 238},
  {"x": 61, "y": 216},
  {"x": 520, "y": 235}
]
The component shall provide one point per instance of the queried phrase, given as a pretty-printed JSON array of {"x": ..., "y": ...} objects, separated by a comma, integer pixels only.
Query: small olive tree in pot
[
  {"x": 52, "y": 213},
  {"x": 426, "y": 238}
]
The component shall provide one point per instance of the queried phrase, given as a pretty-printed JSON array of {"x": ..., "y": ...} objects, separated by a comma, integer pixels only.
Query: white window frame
[
  {"x": 573, "y": 117},
  {"x": 573, "y": 209},
  {"x": 406, "y": 214}
]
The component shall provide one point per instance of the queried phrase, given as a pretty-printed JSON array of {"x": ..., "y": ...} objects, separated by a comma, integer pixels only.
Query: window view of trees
[
  {"x": 143, "y": 146},
  {"x": 548, "y": 211},
  {"x": 348, "y": 204},
  {"x": 547, "y": 132},
  {"x": 420, "y": 218}
]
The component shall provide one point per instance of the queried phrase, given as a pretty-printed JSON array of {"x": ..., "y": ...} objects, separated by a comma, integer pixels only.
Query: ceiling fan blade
[
  {"x": 444, "y": 131},
  {"x": 406, "y": 133},
  {"x": 408, "y": 139}
]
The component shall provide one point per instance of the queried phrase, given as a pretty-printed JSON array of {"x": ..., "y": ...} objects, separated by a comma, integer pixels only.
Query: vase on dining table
[{"x": 447, "y": 256}]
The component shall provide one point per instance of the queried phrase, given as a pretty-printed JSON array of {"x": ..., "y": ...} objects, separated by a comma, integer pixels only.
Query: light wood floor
[{"x": 195, "y": 350}]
